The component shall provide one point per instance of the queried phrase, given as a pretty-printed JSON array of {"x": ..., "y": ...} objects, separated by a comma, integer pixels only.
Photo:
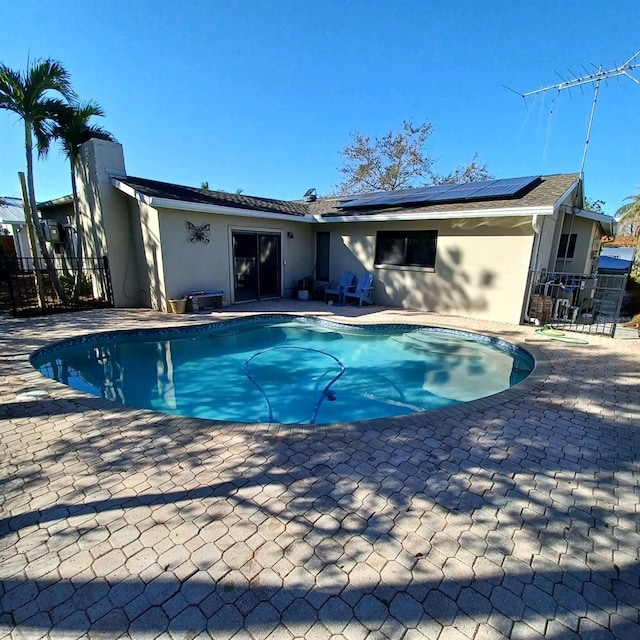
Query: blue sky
[{"x": 263, "y": 95}]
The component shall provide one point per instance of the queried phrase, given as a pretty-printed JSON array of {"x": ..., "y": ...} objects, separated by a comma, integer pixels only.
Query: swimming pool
[{"x": 284, "y": 369}]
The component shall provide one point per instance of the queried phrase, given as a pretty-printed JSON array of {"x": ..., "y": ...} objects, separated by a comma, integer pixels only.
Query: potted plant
[
  {"x": 178, "y": 305},
  {"x": 304, "y": 286}
]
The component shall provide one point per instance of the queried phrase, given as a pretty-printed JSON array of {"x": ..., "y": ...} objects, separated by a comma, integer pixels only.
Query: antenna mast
[{"x": 595, "y": 79}]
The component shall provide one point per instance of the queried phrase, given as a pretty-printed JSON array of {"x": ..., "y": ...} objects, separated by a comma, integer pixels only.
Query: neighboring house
[
  {"x": 14, "y": 228},
  {"x": 467, "y": 252},
  {"x": 57, "y": 224}
]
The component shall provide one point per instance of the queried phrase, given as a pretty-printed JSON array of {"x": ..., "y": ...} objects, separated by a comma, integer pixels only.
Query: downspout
[{"x": 536, "y": 223}]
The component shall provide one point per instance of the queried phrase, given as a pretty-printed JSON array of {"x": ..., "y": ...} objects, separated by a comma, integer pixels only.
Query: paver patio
[{"x": 515, "y": 516}]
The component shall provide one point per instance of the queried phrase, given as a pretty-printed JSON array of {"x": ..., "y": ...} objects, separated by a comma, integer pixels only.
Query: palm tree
[
  {"x": 629, "y": 214},
  {"x": 28, "y": 95},
  {"x": 72, "y": 128}
]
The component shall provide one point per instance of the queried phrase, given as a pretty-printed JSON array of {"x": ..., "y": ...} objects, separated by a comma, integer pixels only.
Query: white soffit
[{"x": 606, "y": 222}]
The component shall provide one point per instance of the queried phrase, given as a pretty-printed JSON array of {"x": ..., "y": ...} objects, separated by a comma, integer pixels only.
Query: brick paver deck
[{"x": 515, "y": 516}]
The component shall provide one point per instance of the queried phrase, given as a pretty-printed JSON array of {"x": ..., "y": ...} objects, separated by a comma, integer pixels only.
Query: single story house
[{"x": 457, "y": 249}]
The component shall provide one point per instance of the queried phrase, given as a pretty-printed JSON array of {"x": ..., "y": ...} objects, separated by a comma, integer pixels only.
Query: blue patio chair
[
  {"x": 339, "y": 288},
  {"x": 363, "y": 290}
]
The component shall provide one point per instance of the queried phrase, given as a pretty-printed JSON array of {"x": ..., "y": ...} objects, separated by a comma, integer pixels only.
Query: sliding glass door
[{"x": 256, "y": 265}]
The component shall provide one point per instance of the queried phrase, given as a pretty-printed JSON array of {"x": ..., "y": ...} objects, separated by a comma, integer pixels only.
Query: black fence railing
[
  {"x": 27, "y": 287},
  {"x": 587, "y": 303}
]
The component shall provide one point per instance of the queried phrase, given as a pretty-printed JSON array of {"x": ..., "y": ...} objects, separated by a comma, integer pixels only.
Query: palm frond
[
  {"x": 42, "y": 135},
  {"x": 72, "y": 127},
  {"x": 29, "y": 96},
  {"x": 11, "y": 91},
  {"x": 43, "y": 122},
  {"x": 628, "y": 215},
  {"x": 99, "y": 133},
  {"x": 48, "y": 75}
]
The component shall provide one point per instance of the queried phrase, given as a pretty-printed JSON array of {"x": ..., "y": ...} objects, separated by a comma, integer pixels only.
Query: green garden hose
[{"x": 554, "y": 334}]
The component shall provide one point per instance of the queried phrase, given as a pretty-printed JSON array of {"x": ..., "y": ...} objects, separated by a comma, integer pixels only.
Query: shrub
[{"x": 67, "y": 282}]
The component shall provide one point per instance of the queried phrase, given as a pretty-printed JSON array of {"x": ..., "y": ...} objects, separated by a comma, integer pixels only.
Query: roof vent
[{"x": 310, "y": 195}]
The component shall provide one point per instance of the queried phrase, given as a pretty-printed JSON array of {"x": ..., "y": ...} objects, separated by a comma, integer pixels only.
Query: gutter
[{"x": 443, "y": 215}]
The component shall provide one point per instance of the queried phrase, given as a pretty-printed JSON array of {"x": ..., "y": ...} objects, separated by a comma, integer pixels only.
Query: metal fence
[
  {"x": 587, "y": 303},
  {"x": 26, "y": 286}
]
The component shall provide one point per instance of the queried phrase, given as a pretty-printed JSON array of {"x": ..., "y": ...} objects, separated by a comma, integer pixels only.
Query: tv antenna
[{"x": 594, "y": 78}]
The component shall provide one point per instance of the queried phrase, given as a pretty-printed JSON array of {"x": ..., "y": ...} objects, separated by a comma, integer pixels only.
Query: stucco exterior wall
[
  {"x": 105, "y": 216},
  {"x": 547, "y": 244},
  {"x": 149, "y": 248},
  {"x": 481, "y": 266},
  {"x": 187, "y": 266},
  {"x": 585, "y": 231}
]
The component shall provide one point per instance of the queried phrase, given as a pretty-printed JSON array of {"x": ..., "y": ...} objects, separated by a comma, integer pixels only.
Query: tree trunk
[
  {"x": 79, "y": 235},
  {"x": 53, "y": 275},
  {"x": 31, "y": 234}
]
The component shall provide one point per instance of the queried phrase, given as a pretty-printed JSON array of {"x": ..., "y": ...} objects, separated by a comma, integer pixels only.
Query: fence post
[
  {"x": 8, "y": 267},
  {"x": 619, "y": 304}
]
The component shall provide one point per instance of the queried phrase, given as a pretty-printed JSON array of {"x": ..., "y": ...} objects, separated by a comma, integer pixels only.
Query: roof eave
[
  {"x": 607, "y": 223},
  {"x": 56, "y": 202},
  {"x": 199, "y": 207},
  {"x": 130, "y": 191},
  {"x": 504, "y": 212},
  {"x": 568, "y": 191}
]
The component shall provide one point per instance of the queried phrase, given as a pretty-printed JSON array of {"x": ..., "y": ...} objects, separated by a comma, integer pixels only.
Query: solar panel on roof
[
  {"x": 430, "y": 195},
  {"x": 468, "y": 191},
  {"x": 371, "y": 201},
  {"x": 487, "y": 190},
  {"x": 508, "y": 187},
  {"x": 388, "y": 198}
]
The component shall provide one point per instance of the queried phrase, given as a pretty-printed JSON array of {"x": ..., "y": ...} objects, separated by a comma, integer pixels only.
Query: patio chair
[
  {"x": 339, "y": 288},
  {"x": 363, "y": 290}
]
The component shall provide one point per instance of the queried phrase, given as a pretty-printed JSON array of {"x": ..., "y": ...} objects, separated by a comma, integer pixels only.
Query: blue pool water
[{"x": 287, "y": 370}]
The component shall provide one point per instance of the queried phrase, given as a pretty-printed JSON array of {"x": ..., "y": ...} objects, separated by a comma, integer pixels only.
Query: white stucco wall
[
  {"x": 481, "y": 266},
  {"x": 185, "y": 266},
  {"x": 149, "y": 248},
  {"x": 547, "y": 243},
  {"x": 105, "y": 215},
  {"x": 586, "y": 244}
]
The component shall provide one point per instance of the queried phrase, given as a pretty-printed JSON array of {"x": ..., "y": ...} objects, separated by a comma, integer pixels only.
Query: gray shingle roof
[
  {"x": 547, "y": 193},
  {"x": 169, "y": 191}
]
